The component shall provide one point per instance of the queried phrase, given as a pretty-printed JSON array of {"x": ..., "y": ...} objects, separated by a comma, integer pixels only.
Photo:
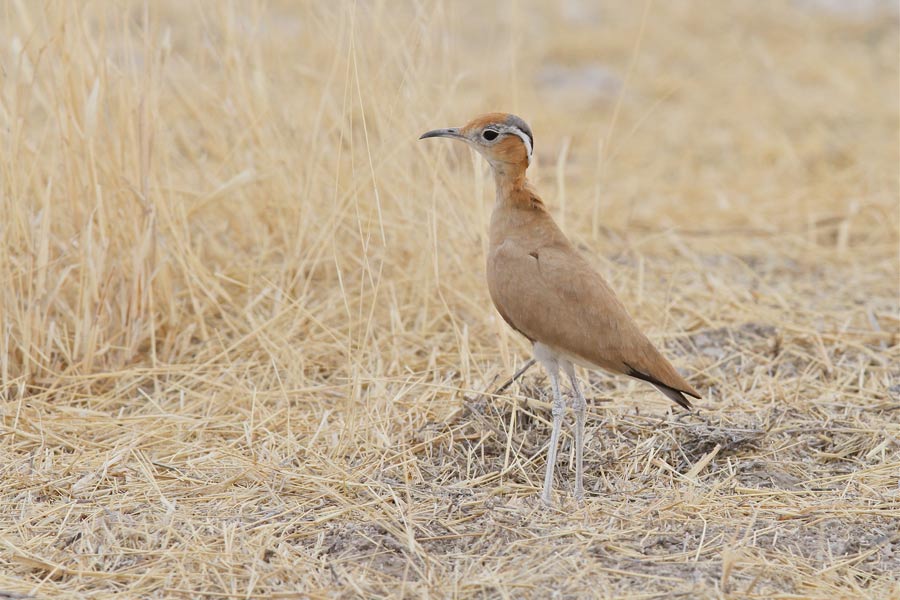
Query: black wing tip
[
  {"x": 679, "y": 397},
  {"x": 675, "y": 395}
]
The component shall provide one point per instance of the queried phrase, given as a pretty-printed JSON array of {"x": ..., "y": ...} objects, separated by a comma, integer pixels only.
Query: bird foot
[{"x": 579, "y": 496}]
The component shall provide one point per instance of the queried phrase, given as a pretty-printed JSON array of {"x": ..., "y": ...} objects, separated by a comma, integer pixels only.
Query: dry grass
[{"x": 246, "y": 349}]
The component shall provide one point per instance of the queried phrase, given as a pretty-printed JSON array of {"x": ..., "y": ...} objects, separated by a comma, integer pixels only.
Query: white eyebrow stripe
[{"x": 525, "y": 139}]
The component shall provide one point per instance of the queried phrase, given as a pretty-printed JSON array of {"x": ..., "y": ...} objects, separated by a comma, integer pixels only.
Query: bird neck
[{"x": 513, "y": 188}]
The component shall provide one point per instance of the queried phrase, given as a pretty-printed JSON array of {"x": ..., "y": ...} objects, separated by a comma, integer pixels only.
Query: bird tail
[{"x": 676, "y": 396}]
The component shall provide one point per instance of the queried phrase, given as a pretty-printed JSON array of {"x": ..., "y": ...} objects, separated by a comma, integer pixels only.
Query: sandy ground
[{"x": 246, "y": 348}]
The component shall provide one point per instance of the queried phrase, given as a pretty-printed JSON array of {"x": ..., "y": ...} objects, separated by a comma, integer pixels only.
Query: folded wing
[{"x": 552, "y": 295}]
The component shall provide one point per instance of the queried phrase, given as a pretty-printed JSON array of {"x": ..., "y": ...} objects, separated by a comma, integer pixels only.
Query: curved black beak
[{"x": 450, "y": 132}]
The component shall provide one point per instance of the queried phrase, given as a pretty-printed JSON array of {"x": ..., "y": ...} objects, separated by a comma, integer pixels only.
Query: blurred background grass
[{"x": 230, "y": 269}]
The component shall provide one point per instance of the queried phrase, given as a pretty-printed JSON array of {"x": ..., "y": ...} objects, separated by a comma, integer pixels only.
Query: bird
[{"x": 548, "y": 292}]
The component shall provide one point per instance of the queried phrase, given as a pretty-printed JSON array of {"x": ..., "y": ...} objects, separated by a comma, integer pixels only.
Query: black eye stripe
[{"x": 522, "y": 126}]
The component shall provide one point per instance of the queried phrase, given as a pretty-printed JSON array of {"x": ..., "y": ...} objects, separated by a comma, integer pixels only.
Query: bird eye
[{"x": 489, "y": 135}]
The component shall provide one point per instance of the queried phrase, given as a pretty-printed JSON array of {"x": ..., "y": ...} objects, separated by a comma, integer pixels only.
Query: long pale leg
[
  {"x": 579, "y": 405},
  {"x": 548, "y": 359},
  {"x": 559, "y": 409}
]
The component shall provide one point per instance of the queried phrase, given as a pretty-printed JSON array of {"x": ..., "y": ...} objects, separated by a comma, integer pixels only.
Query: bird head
[{"x": 503, "y": 139}]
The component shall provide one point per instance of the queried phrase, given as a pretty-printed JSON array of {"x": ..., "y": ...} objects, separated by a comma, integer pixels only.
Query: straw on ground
[{"x": 246, "y": 349}]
